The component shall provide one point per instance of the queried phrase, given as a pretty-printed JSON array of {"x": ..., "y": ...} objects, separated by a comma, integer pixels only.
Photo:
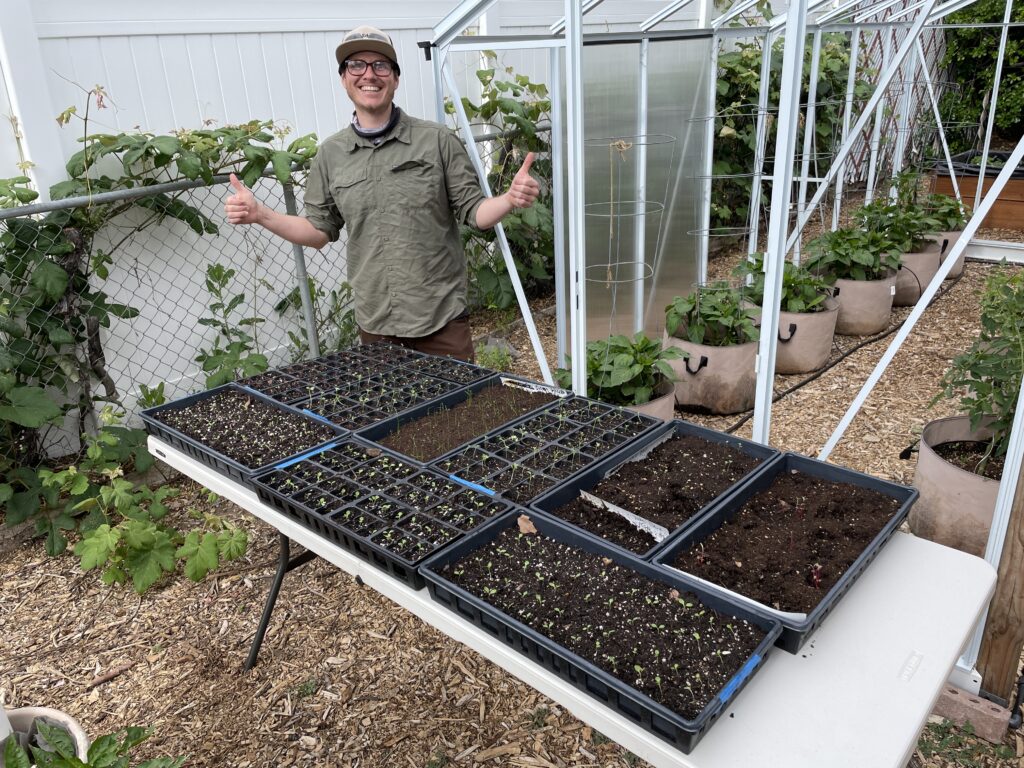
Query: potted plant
[
  {"x": 48, "y": 737},
  {"x": 951, "y": 217},
  {"x": 862, "y": 266},
  {"x": 960, "y": 460},
  {"x": 807, "y": 314},
  {"x": 634, "y": 373},
  {"x": 906, "y": 225},
  {"x": 716, "y": 330}
]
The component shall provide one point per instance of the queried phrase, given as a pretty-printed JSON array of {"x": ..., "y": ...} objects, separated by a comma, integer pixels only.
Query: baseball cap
[{"x": 365, "y": 39}]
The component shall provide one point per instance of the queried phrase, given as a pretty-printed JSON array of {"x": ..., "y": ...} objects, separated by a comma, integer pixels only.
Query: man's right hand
[{"x": 241, "y": 207}]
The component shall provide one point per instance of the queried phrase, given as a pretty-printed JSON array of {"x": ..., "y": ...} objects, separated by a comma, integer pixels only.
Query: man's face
[{"x": 370, "y": 92}]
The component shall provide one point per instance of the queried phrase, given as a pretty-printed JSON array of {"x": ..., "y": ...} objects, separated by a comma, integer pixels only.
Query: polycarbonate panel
[{"x": 640, "y": 244}]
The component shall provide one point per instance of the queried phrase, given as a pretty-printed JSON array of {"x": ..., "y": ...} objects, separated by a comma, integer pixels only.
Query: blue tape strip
[
  {"x": 738, "y": 678},
  {"x": 305, "y": 456},
  {"x": 318, "y": 417},
  {"x": 474, "y": 486}
]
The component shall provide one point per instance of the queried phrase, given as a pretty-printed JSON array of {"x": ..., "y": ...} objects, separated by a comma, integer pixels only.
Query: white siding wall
[{"x": 180, "y": 65}]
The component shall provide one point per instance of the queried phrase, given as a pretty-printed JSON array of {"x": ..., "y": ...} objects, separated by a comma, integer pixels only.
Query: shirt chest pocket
[
  {"x": 352, "y": 192},
  {"x": 412, "y": 182}
]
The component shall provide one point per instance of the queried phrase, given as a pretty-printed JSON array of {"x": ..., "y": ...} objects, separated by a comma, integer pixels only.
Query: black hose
[{"x": 1016, "y": 719}]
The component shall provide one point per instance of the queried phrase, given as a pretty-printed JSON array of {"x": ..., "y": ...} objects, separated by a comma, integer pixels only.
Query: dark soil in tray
[
  {"x": 606, "y": 524},
  {"x": 246, "y": 429},
  {"x": 968, "y": 455},
  {"x": 676, "y": 480},
  {"x": 431, "y": 436},
  {"x": 665, "y": 644},
  {"x": 789, "y": 544}
]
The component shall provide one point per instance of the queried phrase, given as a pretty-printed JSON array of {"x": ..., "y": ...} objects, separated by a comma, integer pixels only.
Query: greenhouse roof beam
[
  {"x": 842, "y": 10},
  {"x": 652, "y": 21},
  {"x": 873, "y": 10},
  {"x": 464, "y": 14},
  {"x": 733, "y": 13},
  {"x": 559, "y": 26},
  {"x": 780, "y": 20}
]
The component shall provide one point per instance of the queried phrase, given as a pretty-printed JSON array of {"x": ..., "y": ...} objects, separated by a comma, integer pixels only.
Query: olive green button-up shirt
[{"x": 402, "y": 202}]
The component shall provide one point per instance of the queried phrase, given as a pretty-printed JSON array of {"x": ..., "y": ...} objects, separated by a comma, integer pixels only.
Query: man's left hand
[{"x": 524, "y": 189}]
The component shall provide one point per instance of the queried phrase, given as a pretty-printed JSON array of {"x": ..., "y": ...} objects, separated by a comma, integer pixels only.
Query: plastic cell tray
[
  {"x": 375, "y": 504},
  {"x": 211, "y": 458},
  {"x": 588, "y": 478},
  {"x": 795, "y": 632},
  {"x": 547, "y": 448},
  {"x": 684, "y": 734}
]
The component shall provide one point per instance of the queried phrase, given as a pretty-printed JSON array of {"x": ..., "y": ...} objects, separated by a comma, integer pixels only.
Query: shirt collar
[{"x": 401, "y": 132}]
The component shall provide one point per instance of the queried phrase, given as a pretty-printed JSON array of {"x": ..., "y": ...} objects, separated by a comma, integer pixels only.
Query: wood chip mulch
[{"x": 345, "y": 678}]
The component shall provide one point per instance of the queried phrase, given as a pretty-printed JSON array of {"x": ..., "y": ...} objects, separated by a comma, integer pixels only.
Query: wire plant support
[{"x": 621, "y": 256}]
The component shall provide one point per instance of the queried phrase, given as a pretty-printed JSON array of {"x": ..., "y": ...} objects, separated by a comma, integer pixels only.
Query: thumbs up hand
[
  {"x": 241, "y": 207},
  {"x": 524, "y": 189}
]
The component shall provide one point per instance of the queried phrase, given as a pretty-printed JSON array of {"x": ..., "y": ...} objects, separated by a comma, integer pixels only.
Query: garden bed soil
[
  {"x": 245, "y": 428},
  {"x": 789, "y": 544},
  {"x": 968, "y": 455},
  {"x": 664, "y": 643},
  {"x": 677, "y": 479},
  {"x": 434, "y": 435}
]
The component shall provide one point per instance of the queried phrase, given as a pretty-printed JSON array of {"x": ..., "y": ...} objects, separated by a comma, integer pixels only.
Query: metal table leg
[{"x": 284, "y": 564}]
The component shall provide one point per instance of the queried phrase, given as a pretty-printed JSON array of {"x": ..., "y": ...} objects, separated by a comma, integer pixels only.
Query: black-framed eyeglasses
[{"x": 381, "y": 67}]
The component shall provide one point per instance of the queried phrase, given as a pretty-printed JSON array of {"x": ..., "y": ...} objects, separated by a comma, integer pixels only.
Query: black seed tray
[
  {"x": 278, "y": 385},
  {"x": 371, "y": 400},
  {"x": 392, "y": 354},
  {"x": 622, "y": 698},
  {"x": 594, "y": 474},
  {"x": 375, "y": 504},
  {"x": 383, "y": 429},
  {"x": 529, "y": 458},
  {"x": 208, "y": 456},
  {"x": 448, "y": 369},
  {"x": 795, "y": 633}
]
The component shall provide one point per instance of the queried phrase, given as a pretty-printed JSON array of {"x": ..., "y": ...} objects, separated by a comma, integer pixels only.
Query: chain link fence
[{"x": 108, "y": 319}]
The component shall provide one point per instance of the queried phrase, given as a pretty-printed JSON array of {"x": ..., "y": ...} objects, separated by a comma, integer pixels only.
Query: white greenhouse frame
[{"x": 795, "y": 26}]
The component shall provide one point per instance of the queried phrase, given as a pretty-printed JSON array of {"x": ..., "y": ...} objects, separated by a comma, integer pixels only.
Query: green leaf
[
  {"x": 233, "y": 543},
  {"x": 147, "y": 565},
  {"x": 165, "y": 145},
  {"x": 282, "y": 163},
  {"x": 104, "y": 752},
  {"x": 22, "y": 506},
  {"x": 56, "y": 542},
  {"x": 115, "y": 574},
  {"x": 14, "y": 755},
  {"x": 189, "y": 165},
  {"x": 97, "y": 546},
  {"x": 79, "y": 485},
  {"x": 59, "y": 336},
  {"x": 50, "y": 279},
  {"x": 6, "y": 492},
  {"x": 201, "y": 554}
]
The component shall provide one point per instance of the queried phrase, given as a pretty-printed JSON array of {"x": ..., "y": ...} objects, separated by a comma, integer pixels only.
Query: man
[{"x": 401, "y": 186}]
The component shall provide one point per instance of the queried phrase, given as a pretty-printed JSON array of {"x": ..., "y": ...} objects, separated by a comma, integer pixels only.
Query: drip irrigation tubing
[{"x": 946, "y": 288}]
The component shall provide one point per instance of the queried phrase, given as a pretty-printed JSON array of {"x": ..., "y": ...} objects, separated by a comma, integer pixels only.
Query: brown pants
[{"x": 453, "y": 339}]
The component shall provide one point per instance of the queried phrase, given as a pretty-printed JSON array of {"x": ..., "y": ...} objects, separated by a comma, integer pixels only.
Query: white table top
[{"x": 856, "y": 695}]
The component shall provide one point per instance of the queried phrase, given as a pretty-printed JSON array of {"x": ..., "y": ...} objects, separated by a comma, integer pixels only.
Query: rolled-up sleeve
[
  {"x": 464, "y": 193},
  {"x": 320, "y": 208}
]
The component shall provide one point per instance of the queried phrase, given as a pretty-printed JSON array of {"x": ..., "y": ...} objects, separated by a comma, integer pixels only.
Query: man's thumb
[
  {"x": 526, "y": 164},
  {"x": 239, "y": 186}
]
